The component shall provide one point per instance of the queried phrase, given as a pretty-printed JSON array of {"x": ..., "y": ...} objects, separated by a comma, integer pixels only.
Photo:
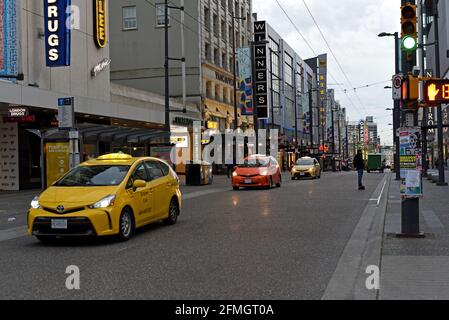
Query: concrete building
[
  {"x": 109, "y": 117},
  {"x": 290, "y": 79},
  {"x": 429, "y": 8},
  {"x": 137, "y": 51}
]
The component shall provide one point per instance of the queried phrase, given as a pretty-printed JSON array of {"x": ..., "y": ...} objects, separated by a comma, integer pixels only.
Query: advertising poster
[
  {"x": 8, "y": 38},
  {"x": 245, "y": 81},
  {"x": 57, "y": 155},
  {"x": 163, "y": 153},
  {"x": 410, "y": 162},
  {"x": 9, "y": 157}
]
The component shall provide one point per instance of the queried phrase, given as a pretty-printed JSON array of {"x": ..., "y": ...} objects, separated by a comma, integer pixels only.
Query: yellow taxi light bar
[{"x": 115, "y": 156}]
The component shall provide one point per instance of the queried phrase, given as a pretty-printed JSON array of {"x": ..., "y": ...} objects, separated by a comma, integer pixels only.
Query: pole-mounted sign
[
  {"x": 397, "y": 86},
  {"x": 57, "y": 32},
  {"x": 261, "y": 69},
  {"x": 436, "y": 92},
  {"x": 100, "y": 32}
]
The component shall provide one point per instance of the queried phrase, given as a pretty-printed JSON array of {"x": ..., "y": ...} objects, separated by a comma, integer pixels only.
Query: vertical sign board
[
  {"x": 100, "y": 28},
  {"x": 410, "y": 162},
  {"x": 57, "y": 32},
  {"x": 66, "y": 113},
  {"x": 57, "y": 157},
  {"x": 245, "y": 74},
  {"x": 260, "y": 64},
  {"x": 322, "y": 85},
  {"x": 8, "y": 38},
  {"x": 9, "y": 156}
]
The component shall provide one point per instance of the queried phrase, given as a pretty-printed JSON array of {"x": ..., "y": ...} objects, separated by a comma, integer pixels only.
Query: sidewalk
[{"x": 417, "y": 269}]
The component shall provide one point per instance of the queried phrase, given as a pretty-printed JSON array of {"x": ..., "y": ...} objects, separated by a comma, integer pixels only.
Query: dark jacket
[{"x": 359, "y": 164}]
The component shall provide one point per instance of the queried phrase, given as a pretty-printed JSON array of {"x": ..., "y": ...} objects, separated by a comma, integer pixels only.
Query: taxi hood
[{"x": 75, "y": 195}]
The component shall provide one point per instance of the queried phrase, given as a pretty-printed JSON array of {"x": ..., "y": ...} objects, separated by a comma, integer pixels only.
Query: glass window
[
  {"x": 154, "y": 170},
  {"x": 140, "y": 173},
  {"x": 94, "y": 176},
  {"x": 129, "y": 18}
]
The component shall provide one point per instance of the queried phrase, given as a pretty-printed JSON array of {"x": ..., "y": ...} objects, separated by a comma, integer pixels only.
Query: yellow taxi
[
  {"x": 306, "y": 167},
  {"x": 108, "y": 196}
]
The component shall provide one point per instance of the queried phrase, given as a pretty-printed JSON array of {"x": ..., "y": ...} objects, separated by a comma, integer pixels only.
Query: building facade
[
  {"x": 137, "y": 51},
  {"x": 108, "y": 117},
  {"x": 429, "y": 9}
]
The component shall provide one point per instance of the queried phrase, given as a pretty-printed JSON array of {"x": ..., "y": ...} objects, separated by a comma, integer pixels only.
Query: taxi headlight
[
  {"x": 35, "y": 203},
  {"x": 235, "y": 174},
  {"x": 104, "y": 203},
  {"x": 264, "y": 172}
]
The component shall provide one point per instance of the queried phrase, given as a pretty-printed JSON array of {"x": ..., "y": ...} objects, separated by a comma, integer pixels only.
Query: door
[
  {"x": 162, "y": 185},
  {"x": 141, "y": 199}
]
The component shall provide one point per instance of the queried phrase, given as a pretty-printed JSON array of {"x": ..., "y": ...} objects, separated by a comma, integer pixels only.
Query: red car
[{"x": 257, "y": 171}]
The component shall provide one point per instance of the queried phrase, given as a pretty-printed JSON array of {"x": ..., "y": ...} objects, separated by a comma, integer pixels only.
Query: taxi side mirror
[{"x": 139, "y": 184}]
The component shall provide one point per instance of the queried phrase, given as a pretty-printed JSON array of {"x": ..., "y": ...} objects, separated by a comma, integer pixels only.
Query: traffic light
[
  {"x": 409, "y": 31},
  {"x": 410, "y": 91}
]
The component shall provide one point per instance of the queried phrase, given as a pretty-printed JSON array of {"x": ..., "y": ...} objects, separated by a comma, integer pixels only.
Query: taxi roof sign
[{"x": 115, "y": 156}]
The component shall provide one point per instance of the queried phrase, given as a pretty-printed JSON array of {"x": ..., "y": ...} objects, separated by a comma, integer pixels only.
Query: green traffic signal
[{"x": 409, "y": 43}]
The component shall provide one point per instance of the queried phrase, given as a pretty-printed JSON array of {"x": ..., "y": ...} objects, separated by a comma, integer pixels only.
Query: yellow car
[
  {"x": 109, "y": 196},
  {"x": 306, "y": 167}
]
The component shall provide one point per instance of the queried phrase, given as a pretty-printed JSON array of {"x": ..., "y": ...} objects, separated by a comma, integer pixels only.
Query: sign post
[{"x": 66, "y": 118}]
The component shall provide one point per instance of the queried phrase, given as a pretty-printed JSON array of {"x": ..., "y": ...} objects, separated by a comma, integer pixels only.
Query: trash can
[{"x": 198, "y": 174}]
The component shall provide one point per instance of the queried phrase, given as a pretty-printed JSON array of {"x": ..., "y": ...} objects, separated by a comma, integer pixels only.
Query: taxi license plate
[
  {"x": 59, "y": 224},
  {"x": 248, "y": 181}
]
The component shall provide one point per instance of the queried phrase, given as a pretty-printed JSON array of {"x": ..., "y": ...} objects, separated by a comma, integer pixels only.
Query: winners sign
[{"x": 260, "y": 65}]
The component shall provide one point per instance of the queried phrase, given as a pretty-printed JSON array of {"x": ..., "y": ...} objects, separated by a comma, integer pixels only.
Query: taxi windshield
[
  {"x": 255, "y": 163},
  {"x": 94, "y": 176},
  {"x": 305, "y": 162}
]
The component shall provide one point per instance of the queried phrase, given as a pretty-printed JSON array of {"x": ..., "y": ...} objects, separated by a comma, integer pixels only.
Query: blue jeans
[{"x": 360, "y": 177}]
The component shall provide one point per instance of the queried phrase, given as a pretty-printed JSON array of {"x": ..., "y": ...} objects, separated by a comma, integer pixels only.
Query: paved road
[{"x": 262, "y": 244}]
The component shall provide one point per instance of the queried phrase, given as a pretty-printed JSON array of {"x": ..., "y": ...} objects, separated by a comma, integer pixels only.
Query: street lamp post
[{"x": 396, "y": 109}]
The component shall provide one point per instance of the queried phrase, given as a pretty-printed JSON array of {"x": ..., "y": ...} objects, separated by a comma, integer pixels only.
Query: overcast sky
[{"x": 351, "y": 28}]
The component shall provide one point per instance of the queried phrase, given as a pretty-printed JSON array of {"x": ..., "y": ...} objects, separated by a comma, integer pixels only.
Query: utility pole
[
  {"x": 397, "y": 113},
  {"x": 167, "y": 64},
  {"x": 311, "y": 120},
  {"x": 442, "y": 178},
  {"x": 234, "y": 71}
]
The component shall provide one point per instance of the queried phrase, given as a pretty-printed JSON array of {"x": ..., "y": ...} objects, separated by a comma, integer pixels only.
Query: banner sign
[
  {"x": 8, "y": 38},
  {"x": 245, "y": 81},
  {"x": 260, "y": 64},
  {"x": 410, "y": 159},
  {"x": 100, "y": 35},
  {"x": 57, "y": 32}
]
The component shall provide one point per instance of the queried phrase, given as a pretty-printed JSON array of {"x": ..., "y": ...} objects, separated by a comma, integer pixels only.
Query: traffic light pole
[
  {"x": 410, "y": 207},
  {"x": 397, "y": 113}
]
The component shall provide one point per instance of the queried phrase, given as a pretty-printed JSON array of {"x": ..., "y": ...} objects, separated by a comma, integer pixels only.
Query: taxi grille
[
  {"x": 75, "y": 227},
  {"x": 65, "y": 212}
]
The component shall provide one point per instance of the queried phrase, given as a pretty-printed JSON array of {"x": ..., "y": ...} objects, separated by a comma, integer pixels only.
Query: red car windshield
[{"x": 255, "y": 163}]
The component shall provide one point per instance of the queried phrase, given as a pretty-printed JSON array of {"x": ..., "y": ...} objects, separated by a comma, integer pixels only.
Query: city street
[{"x": 251, "y": 244}]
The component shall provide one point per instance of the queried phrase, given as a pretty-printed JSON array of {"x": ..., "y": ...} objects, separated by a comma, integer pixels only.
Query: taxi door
[
  {"x": 162, "y": 186},
  {"x": 141, "y": 199}
]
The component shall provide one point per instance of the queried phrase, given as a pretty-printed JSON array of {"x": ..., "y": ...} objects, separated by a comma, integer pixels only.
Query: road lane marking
[
  {"x": 381, "y": 194},
  {"x": 13, "y": 233}
]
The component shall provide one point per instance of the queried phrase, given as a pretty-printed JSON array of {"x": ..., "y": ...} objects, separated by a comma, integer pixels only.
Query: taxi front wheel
[
  {"x": 173, "y": 213},
  {"x": 126, "y": 225}
]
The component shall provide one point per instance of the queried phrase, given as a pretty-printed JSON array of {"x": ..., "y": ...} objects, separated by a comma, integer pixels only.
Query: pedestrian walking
[
  {"x": 229, "y": 170},
  {"x": 359, "y": 165}
]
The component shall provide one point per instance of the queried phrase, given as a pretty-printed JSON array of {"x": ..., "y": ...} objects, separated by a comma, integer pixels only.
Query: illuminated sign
[
  {"x": 17, "y": 111},
  {"x": 261, "y": 70},
  {"x": 436, "y": 91},
  {"x": 100, "y": 32},
  {"x": 57, "y": 32}
]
